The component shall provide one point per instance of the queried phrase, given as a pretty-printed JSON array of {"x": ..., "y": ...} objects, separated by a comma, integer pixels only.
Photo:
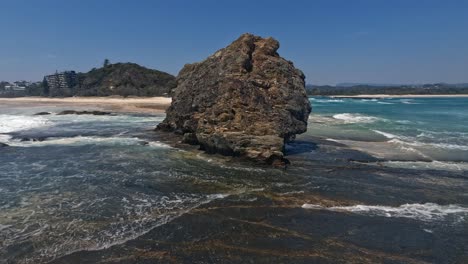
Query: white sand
[{"x": 119, "y": 104}]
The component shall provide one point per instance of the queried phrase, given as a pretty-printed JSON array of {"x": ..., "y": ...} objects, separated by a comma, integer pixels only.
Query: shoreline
[
  {"x": 376, "y": 96},
  {"x": 154, "y": 105}
]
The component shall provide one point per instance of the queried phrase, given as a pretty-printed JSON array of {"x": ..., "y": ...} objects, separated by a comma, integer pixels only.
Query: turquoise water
[{"x": 399, "y": 129}]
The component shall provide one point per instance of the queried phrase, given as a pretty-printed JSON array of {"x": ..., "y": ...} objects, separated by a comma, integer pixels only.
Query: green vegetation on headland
[
  {"x": 124, "y": 79},
  {"x": 424, "y": 89}
]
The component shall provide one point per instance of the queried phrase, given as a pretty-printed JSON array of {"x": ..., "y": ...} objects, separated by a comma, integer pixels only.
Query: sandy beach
[
  {"x": 117, "y": 104},
  {"x": 399, "y": 95}
]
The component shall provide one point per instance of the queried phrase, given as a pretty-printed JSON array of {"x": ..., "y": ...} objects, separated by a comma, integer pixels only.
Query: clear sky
[{"x": 332, "y": 41}]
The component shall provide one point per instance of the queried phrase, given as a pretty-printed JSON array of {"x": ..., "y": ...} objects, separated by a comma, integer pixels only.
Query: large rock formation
[{"x": 244, "y": 100}]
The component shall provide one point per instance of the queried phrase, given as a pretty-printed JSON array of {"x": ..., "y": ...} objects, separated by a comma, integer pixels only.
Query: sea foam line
[
  {"x": 434, "y": 145},
  {"x": 87, "y": 140},
  {"x": 350, "y": 118},
  {"x": 163, "y": 221},
  {"x": 423, "y": 212},
  {"x": 385, "y": 134},
  {"x": 401, "y": 140},
  {"x": 432, "y": 165}
]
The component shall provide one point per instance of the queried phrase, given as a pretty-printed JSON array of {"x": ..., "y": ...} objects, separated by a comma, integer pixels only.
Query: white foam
[
  {"x": 423, "y": 212},
  {"x": 157, "y": 144},
  {"x": 13, "y": 123},
  {"x": 79, "y": 140},
  {"x": 433, "y": 145},
  {"x": 443, "y": 133},
  {"x": 410, "y": 142},
  {"x": 328, "y": 100},
  {"x": 405, "y": 122},
  {"x": 408, "y": 101},
  {"x": 387, "y": 103},
  {"x": 4, "y": 138},
  {"x": 68, "y": 119},
  {"x": 86, "y": 140},
  {"x": 432, "y": 165},
  {"x": 350, "y": 118},
  {"x": 135, "y": 215},
  {"x": 313, "y": 206},
  {"x": 385, "y": 134}
]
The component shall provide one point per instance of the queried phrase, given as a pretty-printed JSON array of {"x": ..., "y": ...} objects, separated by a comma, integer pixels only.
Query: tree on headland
[{"x": 106, "y": 63}]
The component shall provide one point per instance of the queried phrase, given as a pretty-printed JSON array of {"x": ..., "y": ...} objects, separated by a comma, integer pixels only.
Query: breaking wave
[
  {"x": 4, "y": 138},
  {"x": 13, "y": 123},
  {"x": 328, "y": 100},
  {"x": 385, "y": 134},
  {"x": 350, "y": 118},
  {"x": 424, "y": 212},
  {"x": 433, "y": 145},
  {"x": 408, "y": 101},
  {"x": 409, "y": 141},
  {"x": 87, "y": 140}
]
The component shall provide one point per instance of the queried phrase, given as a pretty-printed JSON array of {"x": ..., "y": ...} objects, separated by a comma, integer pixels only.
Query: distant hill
[
  {"x": 458, "y": 85},
  {"x": 367, "y": 84},
  {"x": 125, "y": 79},
  {"x": 436, "y": 88}
]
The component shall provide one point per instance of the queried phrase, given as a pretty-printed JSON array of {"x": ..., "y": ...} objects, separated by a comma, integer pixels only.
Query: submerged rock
[
  {"x": 244, "y": 100},
  {"x": 42, "y": 113},
  {"x": 74, "y": 112},
  {"x": 31, "y": 139}
]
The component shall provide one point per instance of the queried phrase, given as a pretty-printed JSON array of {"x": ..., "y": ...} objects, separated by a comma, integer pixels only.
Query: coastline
[
  {"x": 398, "y": 96},
  {"x": 155, "y": 105}
]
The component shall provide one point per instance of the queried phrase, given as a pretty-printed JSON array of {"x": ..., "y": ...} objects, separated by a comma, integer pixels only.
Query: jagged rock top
[{"x": 244, "y": 100}]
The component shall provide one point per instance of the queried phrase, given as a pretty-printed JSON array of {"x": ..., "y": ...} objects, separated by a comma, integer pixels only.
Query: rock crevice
[{"x": 244, "y": 100}]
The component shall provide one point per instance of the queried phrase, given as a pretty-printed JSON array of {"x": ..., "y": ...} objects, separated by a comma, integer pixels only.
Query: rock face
[{"x": 244, "y": 100}]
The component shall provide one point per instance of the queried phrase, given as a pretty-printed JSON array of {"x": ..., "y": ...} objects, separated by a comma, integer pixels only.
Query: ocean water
[
  {"x": 372, "y": 181},
  {"x": 431, "y": 131}
]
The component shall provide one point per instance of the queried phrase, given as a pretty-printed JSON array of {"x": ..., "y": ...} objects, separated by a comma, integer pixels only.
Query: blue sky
[{"x": 332, "y": 41}]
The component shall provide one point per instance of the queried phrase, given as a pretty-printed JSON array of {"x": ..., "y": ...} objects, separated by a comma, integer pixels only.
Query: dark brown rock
[
  {"x": 39, "y": 139},
  {"x": 74, "y": 112},
  {"x": 244, "y": 100},
  {"x": 43, "y": 113}
]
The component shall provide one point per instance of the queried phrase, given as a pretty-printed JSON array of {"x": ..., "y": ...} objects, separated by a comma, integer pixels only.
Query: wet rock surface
[
  {"x": 42, "y": 113},
  {"x": 244, "y": 100},
  {"x": 74, "y": 112},
  {"x": 32, "y": 139}
]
